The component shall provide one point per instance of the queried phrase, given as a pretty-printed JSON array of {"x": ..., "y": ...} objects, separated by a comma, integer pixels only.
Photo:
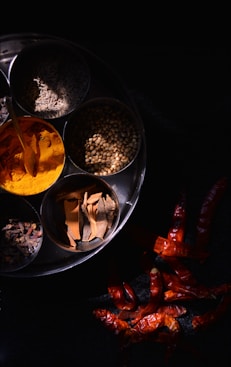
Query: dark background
[{"x": 181, "y": 86}]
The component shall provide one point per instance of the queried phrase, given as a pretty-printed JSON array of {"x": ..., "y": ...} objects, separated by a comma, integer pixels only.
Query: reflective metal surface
[{"x": 104, "y": 83}]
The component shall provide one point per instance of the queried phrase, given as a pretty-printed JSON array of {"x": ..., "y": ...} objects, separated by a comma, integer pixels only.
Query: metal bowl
[
  {"x": 4, "y": 92},
  {"x": 80, "y": 212},
  {"x": 21, "y": 233},
  {"x": 49, "y": 150},
  {"x": 49, "y": 78},
  {"x": 103, "y": 136}
]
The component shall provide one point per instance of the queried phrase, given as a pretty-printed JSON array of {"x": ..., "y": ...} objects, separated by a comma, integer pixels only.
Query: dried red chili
[{"x": 158, "y": 319}]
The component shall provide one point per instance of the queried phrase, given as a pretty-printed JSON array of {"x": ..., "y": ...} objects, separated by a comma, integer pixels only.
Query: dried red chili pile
[{"x": 176, "y": 295}]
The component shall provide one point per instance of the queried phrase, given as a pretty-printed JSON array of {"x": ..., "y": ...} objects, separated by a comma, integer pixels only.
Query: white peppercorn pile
[{"x": 103, "y": 140}]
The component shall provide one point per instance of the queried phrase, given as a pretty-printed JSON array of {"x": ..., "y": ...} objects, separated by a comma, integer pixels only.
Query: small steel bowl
[
  {"x": 4, "y": 92},
  {"x": 102, "y": 136},
  {"x": 49, "y": 78},
  {"x": 21, "y": 233},
  {"x": 49, "y": 150},
  {"x": 80, "y": 212}
]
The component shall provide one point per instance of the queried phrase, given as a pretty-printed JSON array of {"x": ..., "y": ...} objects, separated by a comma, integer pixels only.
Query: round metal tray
[{"x": 104, "y": 83}]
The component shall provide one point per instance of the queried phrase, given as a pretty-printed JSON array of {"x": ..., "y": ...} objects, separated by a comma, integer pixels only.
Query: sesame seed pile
[{"x": 104, "y": 139}]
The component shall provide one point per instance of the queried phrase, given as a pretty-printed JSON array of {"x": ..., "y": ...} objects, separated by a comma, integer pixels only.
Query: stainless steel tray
[{"x": 104, "y": 83}]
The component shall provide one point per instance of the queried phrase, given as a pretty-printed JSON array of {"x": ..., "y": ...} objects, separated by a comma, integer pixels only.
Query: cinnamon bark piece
[
  {"x": 73, "y": 218},
  {"x": 101, "y": 219},
  {"x": 98, "y": 215},
  {"x": 78, "y": 194},
  {"x": 91, "y": 210},
  {"x": 94, "y": 198},
  {"x": 110, "y": 207},
  {"x": 72, "y": 242},
  {"x": 86, "y": 227}
]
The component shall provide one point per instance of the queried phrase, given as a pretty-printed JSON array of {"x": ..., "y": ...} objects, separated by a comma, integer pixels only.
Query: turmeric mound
[{"x": 49, "y": 150}]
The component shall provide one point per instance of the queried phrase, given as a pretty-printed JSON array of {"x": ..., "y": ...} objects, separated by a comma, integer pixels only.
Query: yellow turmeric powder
[{"x": 50, "y": 156}]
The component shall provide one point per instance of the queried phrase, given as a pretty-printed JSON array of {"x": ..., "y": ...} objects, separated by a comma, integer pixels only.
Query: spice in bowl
[
  {"x": 21, "y": 233},
  {"x": 3, "y": 110},
  {"x": 103, "y": 136},
  {"x": 49, "y": 78},
  {"x": 80, "y": 212},
  {"x": 4, "y": 92},
  {"x": 48, "y": 147}
]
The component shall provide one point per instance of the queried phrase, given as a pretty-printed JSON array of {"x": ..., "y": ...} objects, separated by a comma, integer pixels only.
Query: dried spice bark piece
[
  {"x": 91, "y": 210},
  {"x": 101, "y": 219},
  {"x": 79, "y": 194},
  {"x": 87, "y": 216},
  {"x": 73, "y": 218},
  {"x": 19, "y": 240},
  {"x": 110, "y": 207},
  {"x": 94, "y": 198},
  {"x": 86, "y": 228}
]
